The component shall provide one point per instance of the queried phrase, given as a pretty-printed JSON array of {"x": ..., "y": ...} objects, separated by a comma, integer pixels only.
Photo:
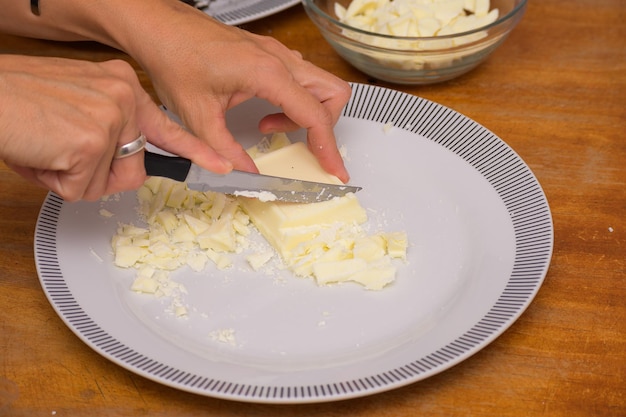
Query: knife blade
[{"x": 240, "y": 183}]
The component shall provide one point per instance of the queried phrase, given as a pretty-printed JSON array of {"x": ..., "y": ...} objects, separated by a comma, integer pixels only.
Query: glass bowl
[{"x": 414, "y": 60}]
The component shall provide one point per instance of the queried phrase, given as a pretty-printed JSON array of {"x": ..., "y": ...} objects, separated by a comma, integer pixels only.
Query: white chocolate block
[
  {"x": 285, "y": 225},
  {"x": 322, "y": 240}
]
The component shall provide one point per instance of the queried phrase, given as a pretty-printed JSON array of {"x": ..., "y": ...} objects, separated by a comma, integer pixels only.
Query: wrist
[
  {"x": 157, "y": 27},
  {"x": 117, "y": 23},
  {"x": 134, "y": 26}
]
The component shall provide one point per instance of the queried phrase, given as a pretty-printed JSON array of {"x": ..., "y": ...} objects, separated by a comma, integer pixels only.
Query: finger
[
  {"x": 50, "y": 180},
  {"x": 87, "y": 178},
  {"x": 71, "y": 175},
  {"x": 209, "y": 124},
  {"x": 277, "y": 122},
  {"x": 126, "y": 170},
  {"x": 217, "y": 135},
  {"x": 126, "y": 173},
  {"x": 306, "y": 111},
  {"x": 172, "y": 137},
  {"x": 330, "y": 90},
  {"x": 328, "y": 155},
  {"x": 168, "y": 135}
]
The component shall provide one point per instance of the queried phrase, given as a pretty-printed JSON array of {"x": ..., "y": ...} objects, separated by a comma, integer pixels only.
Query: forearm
[
  {"x": 59, "y": 20},
  {"x": 119, "y": 23}
]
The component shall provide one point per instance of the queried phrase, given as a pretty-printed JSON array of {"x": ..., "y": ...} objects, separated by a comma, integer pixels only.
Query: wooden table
[{"x": 556, "y": 92}]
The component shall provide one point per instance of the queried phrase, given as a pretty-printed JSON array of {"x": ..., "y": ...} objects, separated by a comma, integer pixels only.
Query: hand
[
  {"x": 203, "y": 68},
  {"x": 61, "y": 122}
]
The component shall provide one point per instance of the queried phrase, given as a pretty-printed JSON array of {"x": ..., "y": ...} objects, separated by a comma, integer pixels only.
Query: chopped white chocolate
[
  {"x": 417, "y": 19},
  {"x": 369, "y": 247},
  {"x": 106, "y": 213},
  {"x": 197, "y": 260},
  {"x": 128, "y": 255},
  {"x": 187, "y": 221},
  {"x": 179, "y": 310},
  {"x": 325, "y": 240},
  {"x": 257, "y": 260},
  {"x": 338, "y": 271},
  {"x": 397, "y": 243},
  {"x": 184, "y": 228},
  {"x": 224, "y": 336},
  {"x": 220, "y": 260}
]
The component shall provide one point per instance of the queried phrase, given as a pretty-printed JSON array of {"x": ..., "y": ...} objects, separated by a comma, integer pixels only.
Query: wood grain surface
[{"x": 556, "y": 92}]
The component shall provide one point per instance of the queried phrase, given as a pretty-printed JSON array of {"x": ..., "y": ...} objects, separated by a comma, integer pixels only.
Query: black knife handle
[{"x": 174, "y": 167}]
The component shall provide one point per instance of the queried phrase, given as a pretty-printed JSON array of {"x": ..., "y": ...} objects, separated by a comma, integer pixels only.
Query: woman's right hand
[{"x": 62, "y": 120}]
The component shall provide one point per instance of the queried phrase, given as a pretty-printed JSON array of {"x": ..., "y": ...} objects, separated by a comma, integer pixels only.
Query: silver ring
[{"x": 131, "y": 148}]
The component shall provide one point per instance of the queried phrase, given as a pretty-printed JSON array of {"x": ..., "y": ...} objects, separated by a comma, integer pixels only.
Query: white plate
[
  {"x": 481, "y": 239},
  {"x": 236, "y": 12}
]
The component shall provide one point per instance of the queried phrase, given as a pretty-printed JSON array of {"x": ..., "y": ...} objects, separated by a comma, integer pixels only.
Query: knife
[{"x": 240, "y": 183}]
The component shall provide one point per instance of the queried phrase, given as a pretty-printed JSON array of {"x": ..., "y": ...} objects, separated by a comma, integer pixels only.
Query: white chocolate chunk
[
  {"x": 197, "y": 260},
  {"x": 177, "y": 195},
  {"x": 376, "y": 278},
  {"x": 196, "y": 225},
  {"x": 145, "y": 285},
  {"x": 220, "y": 237},
  {"x": 338, "y": 271},
  {"x": 180, "y": 310},
  {"x": 415, "y": 19},
  {"x": 127, "y": 255},
  {"x": 257, "y": 260},
  {"x": 220, "y": 260},
  {"x": 182, "y": 233},
  {"x": 167, "y": 219},
  {"x": 151, "y": 281},
  {"x": 481, "y": 7},
  {"x": 370, "y": 248},
  {"x": 106, "y": 213},
  {"x": 397, "y": 243}
]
